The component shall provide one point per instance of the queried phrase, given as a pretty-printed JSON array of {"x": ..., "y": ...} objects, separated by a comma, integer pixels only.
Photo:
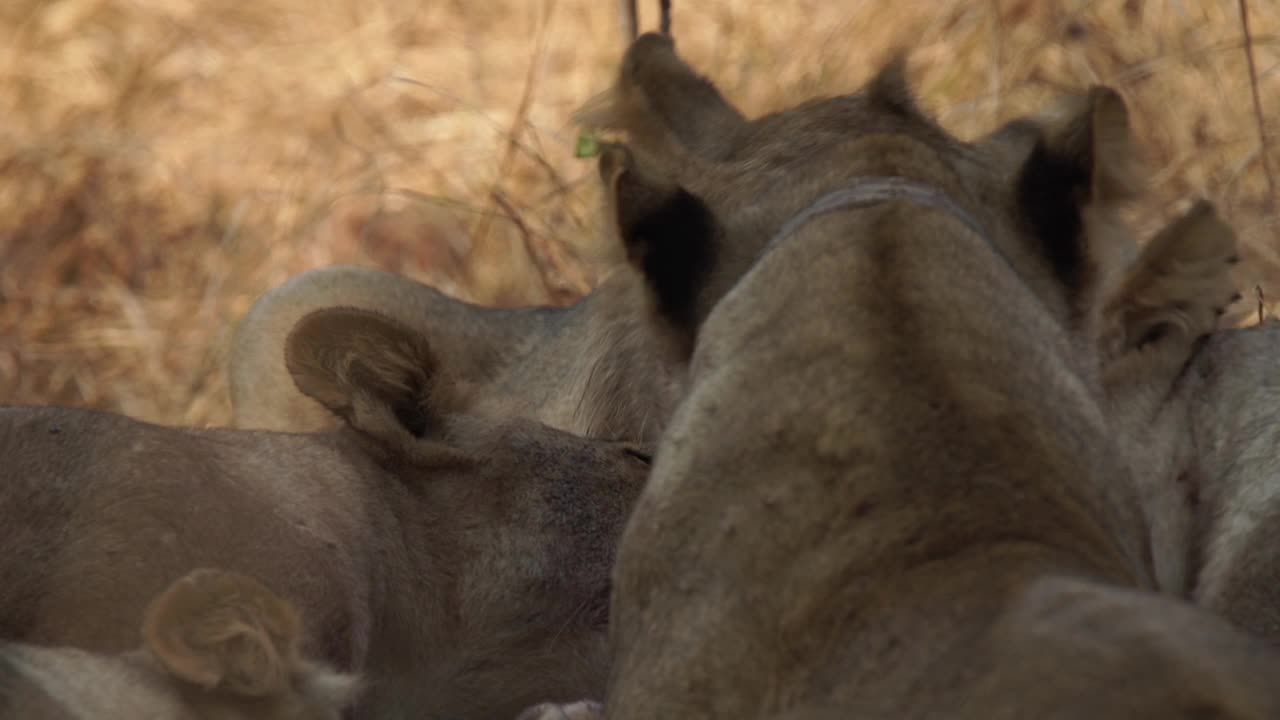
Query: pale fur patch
[{"x": 1242, "y": 494}]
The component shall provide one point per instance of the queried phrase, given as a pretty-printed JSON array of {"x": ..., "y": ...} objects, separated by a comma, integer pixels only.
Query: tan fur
[
  {"x": 461, "y": 563},
  {"x": 591, "y": 369},
  {"x": 235, "y": 657},
  {"x": 1206, "y": 434},
  {"x": 1227, "y": 411},
  {"x": 892, "y": 488},
  {"x": 224, "y": 630},
  {"x": 1177, "y": 286},
  {"x": 1168, "y": 300}
]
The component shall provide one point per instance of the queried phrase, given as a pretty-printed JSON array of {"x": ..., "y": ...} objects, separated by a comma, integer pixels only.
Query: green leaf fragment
[{"x": 588, "y": 145}]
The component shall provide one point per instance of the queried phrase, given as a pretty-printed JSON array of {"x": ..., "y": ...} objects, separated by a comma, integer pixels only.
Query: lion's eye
[{"x": 644, "y": 457}]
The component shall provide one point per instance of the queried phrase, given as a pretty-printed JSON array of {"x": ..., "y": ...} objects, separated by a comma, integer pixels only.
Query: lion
[
  {"x": 1154, "y": 310},
  {"x": 215, "y": 644},
  {"x": 590, "y": 369},
  {"x": 460, "y": 563},
  {"x": 1152, "y": 320},
  {"x": 892, "y": 487},
  {"x": 1205, "y": 433},
  {"x": 1211, "y": 445}
]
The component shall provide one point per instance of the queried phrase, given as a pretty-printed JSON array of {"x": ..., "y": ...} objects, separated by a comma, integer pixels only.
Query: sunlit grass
[{"x": 163, "y": 162}]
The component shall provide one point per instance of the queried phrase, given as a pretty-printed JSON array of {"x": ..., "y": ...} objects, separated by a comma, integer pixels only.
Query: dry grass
[{"x": 163, "y": 162}]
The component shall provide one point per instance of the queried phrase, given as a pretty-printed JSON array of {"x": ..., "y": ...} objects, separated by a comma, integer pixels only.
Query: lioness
[
  {"x": 1217, "y": 434},
  {"x": 591, "y": 369},
  {"x": 215, "y": 645},
  {"x": 460, "y": 563},
  {"x": 891, "y": 489},
  {"x": 1151, "y": 326}
]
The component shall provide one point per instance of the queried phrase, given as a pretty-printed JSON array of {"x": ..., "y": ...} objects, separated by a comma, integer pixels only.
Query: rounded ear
[
  {"x": 1181, "y": 282},
  {"x": 659, "y": 99},
  {"x": 1087, "y": 147},
  {"x": 1082, "y": 167},
  {"x": 1091, "y": 133},
  {"x": 223, "y": 630},
  {"x": 368, "y": 369},
  {"x": 668, "y": 233},
  {"x": 889, "y": 90}
]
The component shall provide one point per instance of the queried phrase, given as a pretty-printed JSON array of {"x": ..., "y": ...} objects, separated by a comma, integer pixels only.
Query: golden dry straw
[{"x": 162, "y": 162}]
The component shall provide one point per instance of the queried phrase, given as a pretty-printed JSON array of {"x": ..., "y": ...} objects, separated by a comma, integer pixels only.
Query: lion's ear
[
  {"x": 231, "y": 635},
  {"x": 372, "y": 371},
  {"x": 1081, "y": 169},
  {"x": 1092, "y": 136},
  {"x": 669, "y": 237},
  {"x": 663, "y": 105},
  {"x": 1180, "y": 283},
  {"x": 1169, "y": 298},
  {"x": 889, "y": 90},
  {"x": 224, "y": 630}
]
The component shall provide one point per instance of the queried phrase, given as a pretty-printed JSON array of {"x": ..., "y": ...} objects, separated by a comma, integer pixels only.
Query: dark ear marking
[
  {"x": 1049, "y": 194},
  {"x": 672, "y": 246},
  {"x": 1083, "y": 161},
  {"x": 668, "y": 234},
  {"x": 412, "y": 416}
]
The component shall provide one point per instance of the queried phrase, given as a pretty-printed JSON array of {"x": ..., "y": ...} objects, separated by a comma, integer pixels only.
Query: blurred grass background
[{"x": 164, "y": 162}]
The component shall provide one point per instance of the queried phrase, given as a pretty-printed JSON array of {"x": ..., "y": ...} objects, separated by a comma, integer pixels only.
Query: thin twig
[
  {"x": 994, "y": 68},
  {"x": 629, "y": 20},
  {"x": 526, "y": 235},
  {"x": 1257, "y": 104},
  {"x": 480, "y": 233},
  {"x": 544, "y": 258}
]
